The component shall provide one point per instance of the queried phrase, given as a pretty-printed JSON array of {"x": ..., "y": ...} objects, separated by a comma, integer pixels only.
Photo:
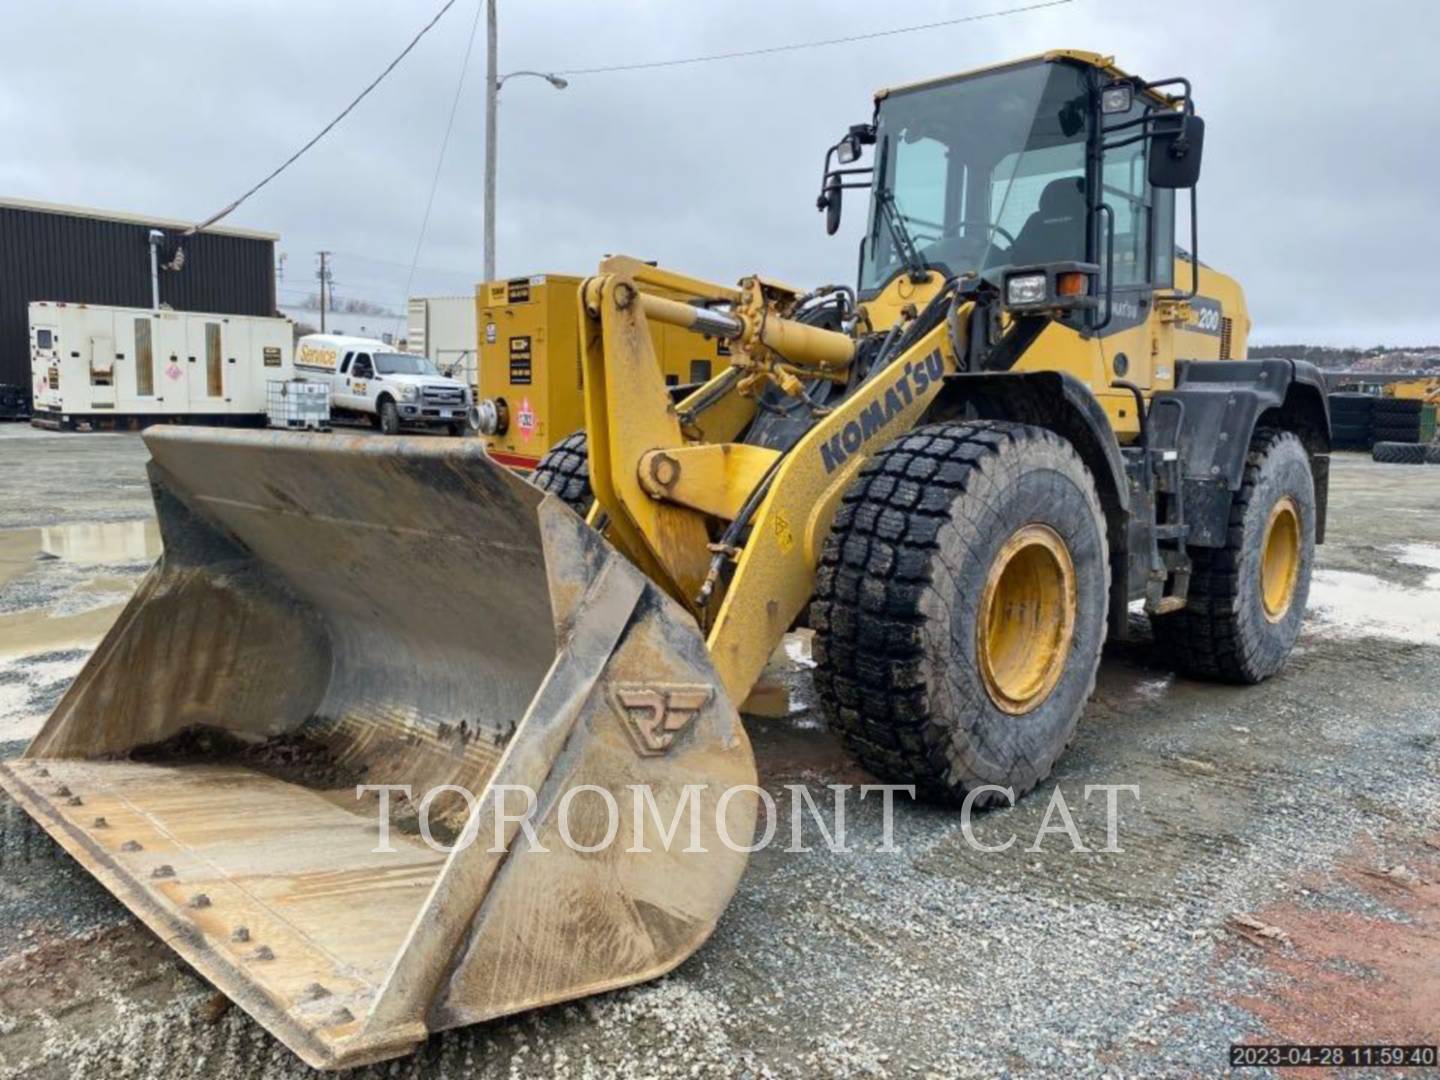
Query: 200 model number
[{"x": 1302, "y": 1055}]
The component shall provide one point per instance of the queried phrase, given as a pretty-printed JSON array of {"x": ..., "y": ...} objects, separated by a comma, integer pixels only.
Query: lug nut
[
  {"x": 131, "y": 845},
  {"x": 199, "y": 900},
  {"x": 240, "y": 934},
  {"x": 164, "y": 870},
  {"x": 341, "y": 1015},
  {"x": 262, "y": 953},
  {"x": 42, "y": 772},
  {"x": 74, "y": 800},
  {"x": 62, "y": 792},
  {"x": 314, "y": 992},
  {"x": 100, "y": 823}
]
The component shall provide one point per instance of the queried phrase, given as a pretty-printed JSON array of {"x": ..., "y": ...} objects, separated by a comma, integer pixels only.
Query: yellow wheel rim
[
  {"x": 1027, "y": 619},
  {"x": 1280, "y": 559}
]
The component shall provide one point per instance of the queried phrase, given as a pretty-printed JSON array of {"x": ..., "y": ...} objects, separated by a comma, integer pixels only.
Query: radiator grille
[{"x": 1226, "y": 326}]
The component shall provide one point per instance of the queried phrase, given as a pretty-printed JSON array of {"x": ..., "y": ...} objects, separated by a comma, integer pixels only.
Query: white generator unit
[
  {"x": 443, "y": 330},
  {"x": 94, "y": 366}
]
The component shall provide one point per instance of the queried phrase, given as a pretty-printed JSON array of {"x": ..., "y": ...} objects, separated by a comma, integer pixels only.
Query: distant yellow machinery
[
  {"x": 1029, "y": 413},
  {"x": 530, "y": 392},
  {"x": 1426, "y": 389}
]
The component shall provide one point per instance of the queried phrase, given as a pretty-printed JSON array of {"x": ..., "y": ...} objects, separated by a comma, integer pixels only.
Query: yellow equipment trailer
[
  {"x": 960, "y": 474},
  {"x": 530, "y": 391}
]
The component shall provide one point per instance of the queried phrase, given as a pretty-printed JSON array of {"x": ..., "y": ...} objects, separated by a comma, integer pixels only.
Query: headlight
[
  {"x": 409, "y": 393},
  {"x": 1025, "y": 289}
]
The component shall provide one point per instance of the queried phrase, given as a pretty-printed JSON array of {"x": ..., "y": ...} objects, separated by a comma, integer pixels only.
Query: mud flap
[{"x": 424, "y": 618}]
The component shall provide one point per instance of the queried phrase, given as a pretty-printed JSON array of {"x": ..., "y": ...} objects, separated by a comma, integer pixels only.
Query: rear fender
[{"x": 1210, "y": 417}]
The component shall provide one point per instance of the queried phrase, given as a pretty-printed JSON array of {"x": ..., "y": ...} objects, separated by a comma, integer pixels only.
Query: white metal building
[{"x": 443, "y": 328}]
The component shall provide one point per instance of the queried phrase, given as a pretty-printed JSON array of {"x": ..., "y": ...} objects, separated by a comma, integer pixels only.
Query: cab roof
[{"x": 1080, "y": 56}]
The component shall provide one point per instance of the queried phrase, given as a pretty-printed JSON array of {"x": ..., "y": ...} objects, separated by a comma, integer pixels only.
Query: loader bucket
[{"x": 333, "y": 611}]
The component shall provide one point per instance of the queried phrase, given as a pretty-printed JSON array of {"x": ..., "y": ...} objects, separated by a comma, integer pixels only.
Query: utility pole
[
  {"x": 492, "y": 102},
  {"x": 324, "y": 275}
]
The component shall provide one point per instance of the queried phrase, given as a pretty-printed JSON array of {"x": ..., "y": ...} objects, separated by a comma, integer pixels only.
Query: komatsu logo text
[{"x": 876, "y": 416}]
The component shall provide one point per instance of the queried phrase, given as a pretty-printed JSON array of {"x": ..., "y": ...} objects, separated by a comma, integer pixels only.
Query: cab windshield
[
  {"x": 980, "y": 173},
  {"x": 403, "y": 364}
]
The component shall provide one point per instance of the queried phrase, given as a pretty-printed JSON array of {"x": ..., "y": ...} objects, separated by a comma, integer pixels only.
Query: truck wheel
[
  {"x": 1247, "y": 599},
  {"x": 389, "y": 418},
  {"x": 959, "y": 608},
  {"x": 564, "y": 471}
]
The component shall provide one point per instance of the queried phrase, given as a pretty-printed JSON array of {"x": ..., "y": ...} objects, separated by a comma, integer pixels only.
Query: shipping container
[
  {"x": 84, "y": 256},
  {"x": 94, "y": 366}
]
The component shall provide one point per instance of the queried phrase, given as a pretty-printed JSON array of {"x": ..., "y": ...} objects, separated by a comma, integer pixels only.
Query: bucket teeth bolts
[
  {"x": 164, "y": 870},
  {"x": 100, "y": 823},
  {"x": 62, "y": 792},
  {"x": 314, "y": 992},
  {"x": 42, "y": 772},
  {"x": 199, "y": 900},
  {"x": 131, "y": 845},
  {"x": 264, "y": 952},
  {"x": 74, "y": 800},
  {"x": 240, "y": 935},
  {"x": 341, "y": 1015}
]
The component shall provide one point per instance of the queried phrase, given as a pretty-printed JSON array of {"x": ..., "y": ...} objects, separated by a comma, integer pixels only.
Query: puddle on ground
[
  {"x": 87, "y": 606},
  {"x": 94, "y": 543},
  {"x": 1362, "y": 605}
]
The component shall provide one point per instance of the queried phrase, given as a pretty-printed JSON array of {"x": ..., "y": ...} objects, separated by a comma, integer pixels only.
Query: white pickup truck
[{"x": 372, "y": 382}]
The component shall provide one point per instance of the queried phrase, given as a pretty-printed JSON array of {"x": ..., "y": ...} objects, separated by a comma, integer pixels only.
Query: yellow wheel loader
[{"x": 962, "y": 474}]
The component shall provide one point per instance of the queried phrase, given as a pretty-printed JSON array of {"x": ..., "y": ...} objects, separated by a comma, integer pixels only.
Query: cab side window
[
  {"x": 1144, "y": 217},
  {"x": 345, "y": 364},
  {"x": 363, "y": 368}
]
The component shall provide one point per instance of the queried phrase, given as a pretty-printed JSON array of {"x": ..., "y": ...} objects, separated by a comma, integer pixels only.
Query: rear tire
[
  {"x": 1247, "y": 599},
  {"x": 959, "y": 608},
  {"x": 389, "y": 418},
  {"x": 564, "y": 471}
]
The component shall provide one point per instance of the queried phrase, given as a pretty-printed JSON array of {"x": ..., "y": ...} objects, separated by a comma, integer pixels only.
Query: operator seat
[{"x": 1055, "y": 232}]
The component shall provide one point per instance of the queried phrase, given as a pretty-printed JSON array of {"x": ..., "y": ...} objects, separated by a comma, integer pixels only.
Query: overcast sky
[{"x": 1322, "y": 163}]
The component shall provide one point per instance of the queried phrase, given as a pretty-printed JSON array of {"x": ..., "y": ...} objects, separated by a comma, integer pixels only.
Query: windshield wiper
[{"x": 900, "y": 235}]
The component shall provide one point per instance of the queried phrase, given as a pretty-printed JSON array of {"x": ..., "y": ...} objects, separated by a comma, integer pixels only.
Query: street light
[{"x": 493, "y": 82}]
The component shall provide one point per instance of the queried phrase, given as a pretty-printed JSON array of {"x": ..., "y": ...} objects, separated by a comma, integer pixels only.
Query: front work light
[
  {"x": 1053, "y": 288},
  {"x": 1116, "y": 98},
  {"x": 1022, "y": 290}
]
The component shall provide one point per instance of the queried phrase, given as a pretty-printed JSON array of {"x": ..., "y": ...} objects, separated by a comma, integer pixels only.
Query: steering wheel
[{"x": 991, "y": 226}]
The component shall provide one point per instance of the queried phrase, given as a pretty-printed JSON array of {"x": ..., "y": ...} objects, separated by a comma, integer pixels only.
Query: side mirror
[
  {"x": 847, "y": 150},
  {"x": 1176, "y": 144},
  {"x": 830, "y": 203}
]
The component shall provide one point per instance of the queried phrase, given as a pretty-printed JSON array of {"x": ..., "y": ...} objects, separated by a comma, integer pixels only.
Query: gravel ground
[{"x": 1292, "y": 803}]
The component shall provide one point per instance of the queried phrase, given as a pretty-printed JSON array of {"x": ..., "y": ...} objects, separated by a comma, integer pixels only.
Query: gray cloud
[{"x": 1320, "y": 175}]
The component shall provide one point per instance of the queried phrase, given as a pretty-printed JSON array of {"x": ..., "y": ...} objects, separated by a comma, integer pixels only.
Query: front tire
[
  {"x": 1247, "y": 599},
  {"x": 389, "y": 418},
  {"x": 564, "y": 471},
  {"x": 960, "y": 608}
]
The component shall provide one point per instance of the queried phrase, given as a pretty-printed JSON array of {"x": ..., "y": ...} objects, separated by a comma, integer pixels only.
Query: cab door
[
  {"x": 340, "y": 396},
  {"x": 358, "y": 380},
  {"x": 1137, "y": 342}
]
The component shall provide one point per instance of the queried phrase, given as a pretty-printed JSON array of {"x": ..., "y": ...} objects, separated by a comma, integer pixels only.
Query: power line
[
  {"x": 444, "y": 144},
  {"x": 470, "y": 274},
  {"x": 812, "y": 44},
  {"x": 213, "y": 218}
]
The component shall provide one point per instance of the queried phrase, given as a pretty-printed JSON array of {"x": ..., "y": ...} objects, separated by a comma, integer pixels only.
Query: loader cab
[{"x": 1056, "y": 161}]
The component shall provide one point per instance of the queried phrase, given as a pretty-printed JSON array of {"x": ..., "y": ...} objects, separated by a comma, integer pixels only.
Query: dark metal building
[{"x": 83, "y": 256}]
